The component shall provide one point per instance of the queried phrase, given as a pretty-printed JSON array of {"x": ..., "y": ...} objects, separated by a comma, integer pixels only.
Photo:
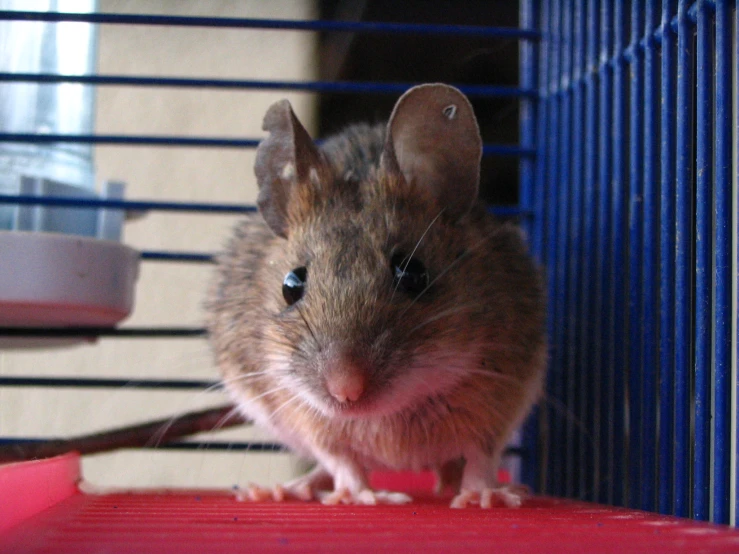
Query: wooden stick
[{"x": 134, "y": 436}]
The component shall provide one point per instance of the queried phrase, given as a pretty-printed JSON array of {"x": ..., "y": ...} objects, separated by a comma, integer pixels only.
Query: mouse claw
[
  {"x": 255, "y": 493},
  {"x": 365, "y": 497},
  {"x": 334, "y": 498},
  {"x": 510, "y": 496},
  {"x": 297, "y": 491},
  {"x": 388, "y": 497},
  {"x": 279, "y": 493}
]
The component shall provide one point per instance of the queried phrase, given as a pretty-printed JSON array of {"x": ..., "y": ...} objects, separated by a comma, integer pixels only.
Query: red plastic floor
[{"x": 41, "y": 513}]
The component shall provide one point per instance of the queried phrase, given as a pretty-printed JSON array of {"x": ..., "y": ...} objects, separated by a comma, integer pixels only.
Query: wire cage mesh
[
  {"x": 628, "y": 192},
  {"x": 634, "y": 188}
]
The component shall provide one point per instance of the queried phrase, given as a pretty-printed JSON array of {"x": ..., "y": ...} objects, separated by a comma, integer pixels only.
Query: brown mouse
[{"x": 375, "y": 315}]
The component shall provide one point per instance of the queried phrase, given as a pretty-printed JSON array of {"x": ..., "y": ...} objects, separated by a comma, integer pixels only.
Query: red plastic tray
[{"x": 42, "y": 511}]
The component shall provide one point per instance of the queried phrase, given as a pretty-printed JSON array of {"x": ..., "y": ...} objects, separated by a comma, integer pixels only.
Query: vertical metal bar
[
  {"x": 604, "y": 474},
  {"x": 565, "y": 140},
  {"x": 636, "y": 327},
  {"x": 667, "y": 264},
  {"x": 539, "y": 239},
  {"x": 703, "y": 247},
  {"x": 724, "y": 223},
  {"x": 553, "y": 259},
  {"x": 683, "y": 257},
  {"x": 590, "y": 355},
  {"x": 619, "y": 199},
  {"x": 528, "y": 63},
  {"x": 527, "y": 111},
  {"x": 561, "y": 87},
  {"x": 540, "y": 190},
  {"x": 649, "y": 277},
  {"x": 575, "y": 435},
  {"x": 574, "y": 233},
  {"x": 555, "y": 209}
]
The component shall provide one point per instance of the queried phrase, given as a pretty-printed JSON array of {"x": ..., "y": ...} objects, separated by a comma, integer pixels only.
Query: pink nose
[{"x": 346, "y": 386}]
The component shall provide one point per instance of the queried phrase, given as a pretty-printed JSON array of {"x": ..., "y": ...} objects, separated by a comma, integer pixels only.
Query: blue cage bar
[{"x": 634, "y": 133}]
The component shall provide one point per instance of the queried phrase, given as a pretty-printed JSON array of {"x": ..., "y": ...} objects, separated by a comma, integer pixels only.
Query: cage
[{"x": 626, "y": 156}]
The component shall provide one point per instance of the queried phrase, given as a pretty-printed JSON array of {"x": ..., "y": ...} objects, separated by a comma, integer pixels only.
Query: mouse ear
[
  {"x": 286, "y": 160},
  {"x": 434, "y": 142}
]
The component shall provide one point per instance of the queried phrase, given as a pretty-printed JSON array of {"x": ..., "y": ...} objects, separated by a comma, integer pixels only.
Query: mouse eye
[
  {"x": 409, "y": 274},
  {"x": 293, "y": 285}
]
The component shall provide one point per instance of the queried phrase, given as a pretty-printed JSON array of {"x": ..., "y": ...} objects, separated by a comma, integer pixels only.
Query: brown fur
[{"x": 486, "y": 297}]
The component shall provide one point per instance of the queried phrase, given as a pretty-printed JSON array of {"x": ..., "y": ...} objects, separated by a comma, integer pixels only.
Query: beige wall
[{"x": 169, "y": 294}]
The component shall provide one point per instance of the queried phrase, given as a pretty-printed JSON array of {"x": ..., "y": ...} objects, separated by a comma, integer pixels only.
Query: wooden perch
[{"x": 134, "y": 436}]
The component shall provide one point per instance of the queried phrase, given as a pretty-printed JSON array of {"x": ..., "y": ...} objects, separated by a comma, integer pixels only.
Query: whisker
[
  {"x": 442, "y": 314},
  {"x": 485, "y": 373},
  {"x": 310, "y": 329},
  {"x": 282, "y": 406},
  {"x": 562, "y": 409},
  {"x": 442, "y": 273},
  {"x": 156, "y": 439},
  {"x": 244, "y": 377},
  {"x": 222, "y": 383},
  {"x": 418, "y": 243},
  {"x": 266, "y": 393},
  {"x": 225, "y": 419},
  {"x": 218, "y": 425}
]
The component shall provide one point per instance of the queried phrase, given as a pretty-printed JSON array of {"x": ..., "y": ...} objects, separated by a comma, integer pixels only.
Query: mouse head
[
  {"x": 432, "y": 146},
  {"x": 367, "y": 272}
]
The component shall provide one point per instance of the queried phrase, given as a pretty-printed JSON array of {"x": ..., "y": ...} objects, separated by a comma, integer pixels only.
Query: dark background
[{"x": 426, "y": 58}]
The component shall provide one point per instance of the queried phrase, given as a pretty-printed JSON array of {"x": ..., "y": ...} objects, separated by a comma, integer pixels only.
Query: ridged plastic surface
[{"x": 189, "y": 522}]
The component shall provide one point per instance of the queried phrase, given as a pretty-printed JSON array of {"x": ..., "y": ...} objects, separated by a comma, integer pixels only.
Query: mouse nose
[{"x": 346, "y": 384}]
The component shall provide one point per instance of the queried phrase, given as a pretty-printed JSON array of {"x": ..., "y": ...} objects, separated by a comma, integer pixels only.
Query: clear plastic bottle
[{"x": 37, "y": 47}]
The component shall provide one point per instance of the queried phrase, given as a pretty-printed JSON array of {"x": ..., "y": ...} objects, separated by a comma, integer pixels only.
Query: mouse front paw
[
  {"x": 304, "y": 488},
  {"x": 510, "y": 496},
  {"x": 278, "y": 493},
  {"x": 365, "y": 497}
]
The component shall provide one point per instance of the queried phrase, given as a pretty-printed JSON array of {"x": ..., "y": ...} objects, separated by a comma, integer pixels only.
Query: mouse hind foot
[
  {"x": 480, "y": 484},
  {"x": 305, "y": 488},
  {"x": 365, "y": 497},
  {"x": 510, "y": 496}
]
